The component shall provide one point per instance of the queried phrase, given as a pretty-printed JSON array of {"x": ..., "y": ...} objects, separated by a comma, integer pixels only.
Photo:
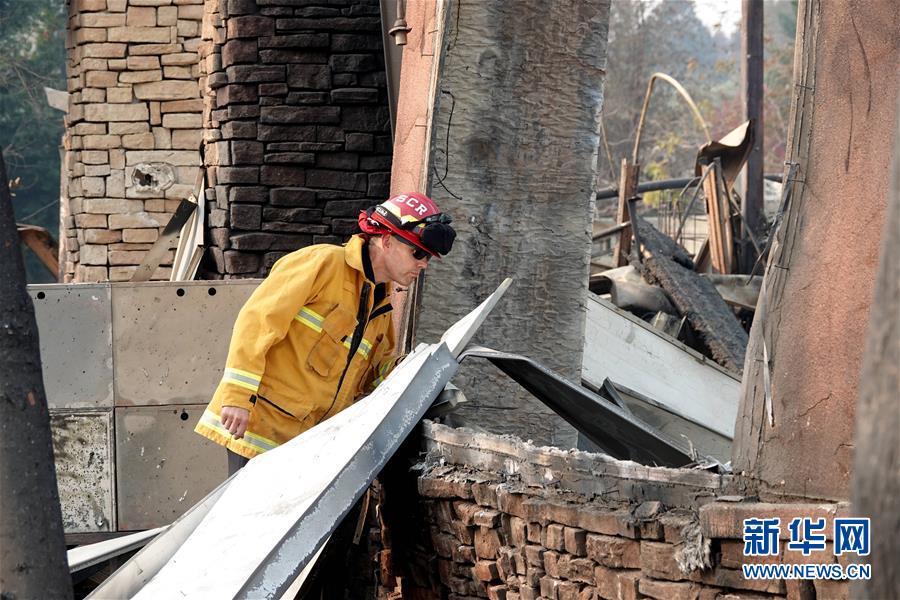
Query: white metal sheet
[
  {"x": 458, "y": 336},
  {"x": 87, "y": 555},
  {"x": 273, "y": 492},
  {"x": 626, "y": 350}
]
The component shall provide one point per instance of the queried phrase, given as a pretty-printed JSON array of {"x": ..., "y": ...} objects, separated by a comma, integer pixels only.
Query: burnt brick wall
[
  {"x": 501, "y": 519},
  {"x": 297, "y": 126}
]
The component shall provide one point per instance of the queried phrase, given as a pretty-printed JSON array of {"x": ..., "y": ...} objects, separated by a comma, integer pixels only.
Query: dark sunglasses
[{"x": 417, "y": 252}]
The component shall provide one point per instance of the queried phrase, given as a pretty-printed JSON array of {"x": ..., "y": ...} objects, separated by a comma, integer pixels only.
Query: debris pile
[{"x": 703, "y": 298}]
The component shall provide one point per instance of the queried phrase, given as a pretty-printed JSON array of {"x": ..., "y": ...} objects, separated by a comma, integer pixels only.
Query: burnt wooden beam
[
  {"x": 666, "y": 264},
  {"x": 42, "y": 244}
]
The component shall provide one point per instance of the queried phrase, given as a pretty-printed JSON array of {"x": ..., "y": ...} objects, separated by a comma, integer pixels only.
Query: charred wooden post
[
  {"x": 628, "y": 180},
  {"x": 32, "y": 546},
  {"x": 752, "y": 215}
]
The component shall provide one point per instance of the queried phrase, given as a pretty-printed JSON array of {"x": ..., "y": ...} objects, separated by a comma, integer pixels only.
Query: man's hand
[{"x": 235, "y": 420}]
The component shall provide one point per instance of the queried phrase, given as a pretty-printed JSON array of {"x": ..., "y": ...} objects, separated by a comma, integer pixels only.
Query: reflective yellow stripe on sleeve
[
  {"x": 251, "y": 441},
  {"x": 310, "y": 318},
  {"x": 244, "y": 379}
]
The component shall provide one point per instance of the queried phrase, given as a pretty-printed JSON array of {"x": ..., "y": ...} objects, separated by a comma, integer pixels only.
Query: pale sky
[{"x": 722, "y": 14}]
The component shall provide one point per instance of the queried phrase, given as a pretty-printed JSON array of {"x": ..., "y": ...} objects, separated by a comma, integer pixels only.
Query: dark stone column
[{"x": 297, "y": 126}]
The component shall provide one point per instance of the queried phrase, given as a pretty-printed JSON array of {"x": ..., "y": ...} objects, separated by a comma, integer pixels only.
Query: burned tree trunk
[
  {"x": 876, "y": 489},
  {"x": 32, "y": 546},
  {"x": 514, "y": 162}
]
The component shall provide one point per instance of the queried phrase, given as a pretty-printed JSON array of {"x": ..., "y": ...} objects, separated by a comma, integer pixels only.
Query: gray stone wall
[{"x": 297, "y": 126}]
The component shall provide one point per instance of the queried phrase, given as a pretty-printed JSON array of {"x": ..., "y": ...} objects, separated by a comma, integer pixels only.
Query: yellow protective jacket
[{"x": 288, "y": 359}]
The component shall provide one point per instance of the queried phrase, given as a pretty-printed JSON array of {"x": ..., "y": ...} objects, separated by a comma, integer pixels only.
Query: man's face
[{"x": 403, "y": 267}]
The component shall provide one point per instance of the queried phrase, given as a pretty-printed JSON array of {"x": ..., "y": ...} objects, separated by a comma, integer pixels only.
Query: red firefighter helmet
[{"x": 415, "y": 218}]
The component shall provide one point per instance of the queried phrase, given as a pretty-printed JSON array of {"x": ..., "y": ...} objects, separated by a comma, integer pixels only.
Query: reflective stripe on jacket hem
[{"x": 384, "y": 370}]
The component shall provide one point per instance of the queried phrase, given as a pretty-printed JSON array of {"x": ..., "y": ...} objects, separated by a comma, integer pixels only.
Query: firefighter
[{"x": 317, "y": 333}]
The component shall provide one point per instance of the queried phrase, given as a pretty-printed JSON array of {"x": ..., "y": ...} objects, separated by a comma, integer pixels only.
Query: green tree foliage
[
  {"x": 32, "y": 56},
  {"x": 668, "y": 36}
]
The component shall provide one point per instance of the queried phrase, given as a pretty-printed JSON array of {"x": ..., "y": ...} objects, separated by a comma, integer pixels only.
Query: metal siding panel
[
  {"x": 629, "y": 352},
  {"x": 163, "y": 467},
  {"x": 76, "y": 344},
  {"x": 616, "y": 432},
  {"x": 171, "y": 348},
  {"x": 84, "y": 469}
]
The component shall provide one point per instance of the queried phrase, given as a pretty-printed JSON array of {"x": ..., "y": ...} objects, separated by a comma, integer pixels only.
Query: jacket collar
[{"x": 356, "y": 255}]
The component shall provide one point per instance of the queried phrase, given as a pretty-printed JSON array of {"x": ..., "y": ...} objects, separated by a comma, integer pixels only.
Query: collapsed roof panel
[{"x": 695, "y": 297}]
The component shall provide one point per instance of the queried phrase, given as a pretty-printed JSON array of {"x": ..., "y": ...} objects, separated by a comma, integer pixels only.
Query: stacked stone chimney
[{"x": 288, "y": 99}]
